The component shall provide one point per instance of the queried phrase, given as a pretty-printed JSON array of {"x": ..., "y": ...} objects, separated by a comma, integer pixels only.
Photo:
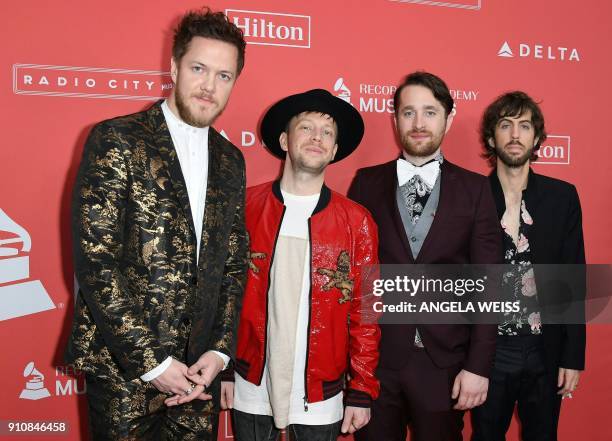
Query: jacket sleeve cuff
[
  {"x": 226, "y": 359},
  {"x": 157, "y": 371},
  {"x": 357, "y": 398}
]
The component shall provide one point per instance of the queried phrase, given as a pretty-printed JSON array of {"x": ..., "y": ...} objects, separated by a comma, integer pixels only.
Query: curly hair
[
  {"x": 208, "y": 24},
  {"x": 510, "y": 104}
]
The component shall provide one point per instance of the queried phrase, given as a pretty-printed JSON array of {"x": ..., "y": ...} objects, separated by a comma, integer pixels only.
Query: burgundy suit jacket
[{"x": 465, "y": 230}]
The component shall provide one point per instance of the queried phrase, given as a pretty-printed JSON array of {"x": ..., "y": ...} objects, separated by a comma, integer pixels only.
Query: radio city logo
[
  {"x": 68, "y": 381},
  {"x": 461, "y": 4},
  {"x": 19, "y": 294},
  {"x": 539, "y": 51},
  {"x": 555, "y": 150},
  {"x": 90, "y": 82},
  {"x": 272, "y": 28},
  {"x": 378, "y": 98}
]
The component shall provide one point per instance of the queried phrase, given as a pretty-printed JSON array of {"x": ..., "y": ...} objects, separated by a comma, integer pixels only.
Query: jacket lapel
[
  {"x": 447, "y": 179},
  {"x": 218, "y": 183},
  {"x": 391, "y": 185},
  {"x": 170, "y": 162}
]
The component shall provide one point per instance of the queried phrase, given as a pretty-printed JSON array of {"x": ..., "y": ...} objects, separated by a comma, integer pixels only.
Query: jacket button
[{"x": 194, "y": 280}]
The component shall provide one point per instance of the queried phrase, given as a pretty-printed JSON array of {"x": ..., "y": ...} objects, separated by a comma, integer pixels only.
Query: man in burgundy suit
[{"x": 428, "y": 211}]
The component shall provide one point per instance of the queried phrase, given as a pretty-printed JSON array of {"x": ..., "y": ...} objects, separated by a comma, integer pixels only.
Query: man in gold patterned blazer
[{"x": 160, "y": 249}]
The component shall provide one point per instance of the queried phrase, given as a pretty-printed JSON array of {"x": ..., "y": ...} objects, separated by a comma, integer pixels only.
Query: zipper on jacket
[
  {"x": 265, "y": 342},
  {"x": 309, "y": 317}
]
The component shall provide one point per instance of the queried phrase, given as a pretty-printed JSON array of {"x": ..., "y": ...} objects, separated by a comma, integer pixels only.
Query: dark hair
[
  {"x": 511, "y": 104},
  {"x": 207, "y": 24},
  {"x": 438, "y": 88}
]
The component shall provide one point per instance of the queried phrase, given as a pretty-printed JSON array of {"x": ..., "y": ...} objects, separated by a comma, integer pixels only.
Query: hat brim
[{"x": 349, "y": 121}]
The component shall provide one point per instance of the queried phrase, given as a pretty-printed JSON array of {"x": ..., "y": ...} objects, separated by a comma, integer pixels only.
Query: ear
[
  {"x": 173, "y": 69},
  {"x": 334, "y": 151},
  {"x": 449, "y": 119},
  {"x": 491, "y": 142},
  {"x": 283, "y": 141},
  {"x": 536, "y": 140}
]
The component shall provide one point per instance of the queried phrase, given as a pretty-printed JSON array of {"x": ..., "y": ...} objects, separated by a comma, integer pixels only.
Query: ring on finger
[{"x": 191, "y": 388}]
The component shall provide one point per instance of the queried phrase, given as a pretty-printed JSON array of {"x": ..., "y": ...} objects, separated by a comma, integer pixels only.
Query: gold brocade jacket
[{"x": 135, "y": 250}]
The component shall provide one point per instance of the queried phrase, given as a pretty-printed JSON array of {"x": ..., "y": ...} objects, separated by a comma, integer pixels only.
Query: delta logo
[
  {"x": 538, "y": 51},
  {"x": 90, "y": 82},
  {"x": 460, "y": 4},
  {"x": 554, "y": 151},
  {"x": 272, "y": 28}
]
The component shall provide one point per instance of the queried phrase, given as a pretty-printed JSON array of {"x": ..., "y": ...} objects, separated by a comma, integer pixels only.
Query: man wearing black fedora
[{"x": 304, "y": 323}]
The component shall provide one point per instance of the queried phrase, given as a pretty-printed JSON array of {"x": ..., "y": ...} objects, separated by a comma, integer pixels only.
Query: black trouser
[
  {"x": 519, "y": 377},
  {"x": 418, "y": 395},
  {"x": 249, "y": 427}
]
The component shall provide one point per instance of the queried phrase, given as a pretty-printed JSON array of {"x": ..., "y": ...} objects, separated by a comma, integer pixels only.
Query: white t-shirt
[{"x": 254, "y": 399}]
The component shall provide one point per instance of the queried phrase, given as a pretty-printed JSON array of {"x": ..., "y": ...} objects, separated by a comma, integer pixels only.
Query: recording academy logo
[
  {"x": 35, "y": 387},
  {"x": 272, "y": 28},
  {"x": 378, "y": 98},
  {"x": 68, "y": 381},
  {"x": 90, "y": 82},
  {"x": 554, "y": 151},
  {"x": 461, "y": 4},
  {"x": 342, "y": 91},
  {"x": 19, "y": 295},
  {"x": 539, "y": 51}
]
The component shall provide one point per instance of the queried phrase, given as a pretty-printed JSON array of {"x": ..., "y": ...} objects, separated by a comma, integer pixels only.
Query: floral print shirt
[{"x": 519, "y": 283}]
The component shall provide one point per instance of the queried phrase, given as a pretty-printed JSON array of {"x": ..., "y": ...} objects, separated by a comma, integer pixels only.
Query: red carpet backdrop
[{"x": 66, "y": 65}]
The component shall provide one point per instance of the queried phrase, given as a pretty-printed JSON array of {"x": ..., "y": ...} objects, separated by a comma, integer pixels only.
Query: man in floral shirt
[{"x": 535, "y": 365}]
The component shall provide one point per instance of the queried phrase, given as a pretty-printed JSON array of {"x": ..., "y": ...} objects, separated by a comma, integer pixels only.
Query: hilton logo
[
  {"x": 554, "y": 151},
  {"x": 272, "y": 28}
]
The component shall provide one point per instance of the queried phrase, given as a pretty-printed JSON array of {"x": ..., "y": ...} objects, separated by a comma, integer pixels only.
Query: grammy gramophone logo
[
  {"x": 342, "y": 91},
  {"x": 35, "y": 385},
  {"x": 19, "y": 295}
]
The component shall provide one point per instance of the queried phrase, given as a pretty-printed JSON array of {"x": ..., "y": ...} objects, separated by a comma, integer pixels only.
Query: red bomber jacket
[{"x": 343, "y": 238}]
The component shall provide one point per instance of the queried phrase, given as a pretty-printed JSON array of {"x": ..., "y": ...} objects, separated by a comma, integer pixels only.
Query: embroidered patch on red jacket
[{"x": 339, "y": 277}]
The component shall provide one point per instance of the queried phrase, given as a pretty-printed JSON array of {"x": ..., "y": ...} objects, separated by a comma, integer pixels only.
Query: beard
[
  {"x": 188, "y": 115},
  {"x": 421, "y": 149},
  {"x": 514, "y": 161}
]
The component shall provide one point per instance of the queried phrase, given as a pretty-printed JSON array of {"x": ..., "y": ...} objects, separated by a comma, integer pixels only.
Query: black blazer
[
  {"x": 554, "y": 238},
  {"x": 465, "y": 230}
]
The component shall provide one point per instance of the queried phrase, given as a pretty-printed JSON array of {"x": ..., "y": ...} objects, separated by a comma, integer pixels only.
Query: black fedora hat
[{"x": 348, "y": 119}]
